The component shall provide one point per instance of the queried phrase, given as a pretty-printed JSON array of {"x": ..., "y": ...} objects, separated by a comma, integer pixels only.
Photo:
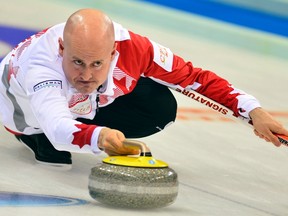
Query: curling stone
[{"x": 138, "y": 182}]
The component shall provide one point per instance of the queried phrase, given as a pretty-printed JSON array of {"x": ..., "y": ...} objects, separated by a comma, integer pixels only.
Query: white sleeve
[
  {"x": 47, "y": 90},
  {"x": 51, "y": 110}
]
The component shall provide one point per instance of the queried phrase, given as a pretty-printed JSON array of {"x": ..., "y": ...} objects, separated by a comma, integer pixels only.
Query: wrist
[
  {"x": 101, "y": 137},
  {"x": 254, "y": 112}
]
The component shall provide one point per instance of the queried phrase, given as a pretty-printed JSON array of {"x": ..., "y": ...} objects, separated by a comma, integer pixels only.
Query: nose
[{"x": 86, "y": 74}]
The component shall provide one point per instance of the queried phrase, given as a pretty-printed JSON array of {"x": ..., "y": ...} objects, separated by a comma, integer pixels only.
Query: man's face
[{"x": 86, "y": 66}]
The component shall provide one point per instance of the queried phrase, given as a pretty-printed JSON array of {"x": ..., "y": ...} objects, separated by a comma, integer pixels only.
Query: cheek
[
  {"x": 69, "y": 72},
  {"x": 102, "y": 74}
]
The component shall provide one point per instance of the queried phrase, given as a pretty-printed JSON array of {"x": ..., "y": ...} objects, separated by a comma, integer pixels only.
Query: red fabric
[
  {"x": 13, "y": 132},
  {"x": 83, "y": 137},
  {"x": 183, "y": 73}
]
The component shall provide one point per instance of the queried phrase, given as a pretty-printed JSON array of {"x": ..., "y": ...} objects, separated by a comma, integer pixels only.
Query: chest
[{"x": 81, "y": 105}]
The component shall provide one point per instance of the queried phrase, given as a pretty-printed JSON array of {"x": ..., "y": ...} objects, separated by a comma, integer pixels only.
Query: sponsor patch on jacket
[
  {"x": 163, "y": 56},
  {"x": 48, "y": 84},
  {"x": 80, "y": 104}
]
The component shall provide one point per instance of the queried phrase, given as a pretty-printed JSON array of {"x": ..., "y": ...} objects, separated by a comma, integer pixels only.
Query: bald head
[
  {"x": 89, "y": 22},
  {"x": 89, "y": 25},
  {"x": 87, "y": 49}
]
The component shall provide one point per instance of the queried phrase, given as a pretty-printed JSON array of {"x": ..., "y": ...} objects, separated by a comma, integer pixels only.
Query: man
[{"x": 87, "y": 84}]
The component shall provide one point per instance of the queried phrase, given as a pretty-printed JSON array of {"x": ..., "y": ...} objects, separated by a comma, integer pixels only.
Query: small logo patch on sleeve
[
  {"x": 48, "y": 84},
  {"x": 163, "y": 56}
]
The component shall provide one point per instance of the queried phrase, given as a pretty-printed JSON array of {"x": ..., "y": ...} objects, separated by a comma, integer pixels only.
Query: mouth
[
  {"x": 85, "y": 86},
  {"x": 86, "y": 83}
]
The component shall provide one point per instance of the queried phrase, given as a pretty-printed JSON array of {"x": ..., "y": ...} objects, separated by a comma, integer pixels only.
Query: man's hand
[
  {"x": 111, "y": 142},
  {"x": 265, "y": 125}
]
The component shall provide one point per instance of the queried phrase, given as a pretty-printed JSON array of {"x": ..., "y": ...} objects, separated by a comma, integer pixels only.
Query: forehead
[
  {"x": 87, "y": 48},
  {"x": 82, "y": 50}
]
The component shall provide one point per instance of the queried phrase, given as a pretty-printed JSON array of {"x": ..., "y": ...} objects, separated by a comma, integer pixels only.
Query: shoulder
[
  {"x": 125, "y": 36},
  {"x": 121, "y": 33}
]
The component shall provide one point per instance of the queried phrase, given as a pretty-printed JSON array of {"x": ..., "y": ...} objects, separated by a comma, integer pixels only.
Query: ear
[
  {"x": 61, "y": 46},
  {"x": 114, "y": 51}
]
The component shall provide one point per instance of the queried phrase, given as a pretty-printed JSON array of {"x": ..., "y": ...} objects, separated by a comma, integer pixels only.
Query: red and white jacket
[{"x": 36, "y": 97}]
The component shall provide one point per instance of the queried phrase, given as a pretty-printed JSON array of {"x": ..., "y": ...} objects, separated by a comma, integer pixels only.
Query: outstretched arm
[{"x": 265, "y": 125}]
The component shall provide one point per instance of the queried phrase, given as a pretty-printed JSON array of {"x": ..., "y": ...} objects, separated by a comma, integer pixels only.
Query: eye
[
  {"x": 97, "y": 63},
  {"x": 78, "y": 62}
]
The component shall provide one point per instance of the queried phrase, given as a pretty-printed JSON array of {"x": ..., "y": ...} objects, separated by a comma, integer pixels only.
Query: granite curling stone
[{"x": 137, "y": 182}]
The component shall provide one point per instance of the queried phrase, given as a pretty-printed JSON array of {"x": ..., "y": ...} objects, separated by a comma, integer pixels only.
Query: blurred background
[{"x": 223, "y": 168}]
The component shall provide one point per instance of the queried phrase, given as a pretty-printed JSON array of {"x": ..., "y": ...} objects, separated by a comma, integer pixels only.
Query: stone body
[{"x": 133, "y": 187}]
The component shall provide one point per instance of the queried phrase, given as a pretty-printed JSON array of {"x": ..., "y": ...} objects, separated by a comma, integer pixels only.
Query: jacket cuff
[{"x": 94, "y": 140}]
